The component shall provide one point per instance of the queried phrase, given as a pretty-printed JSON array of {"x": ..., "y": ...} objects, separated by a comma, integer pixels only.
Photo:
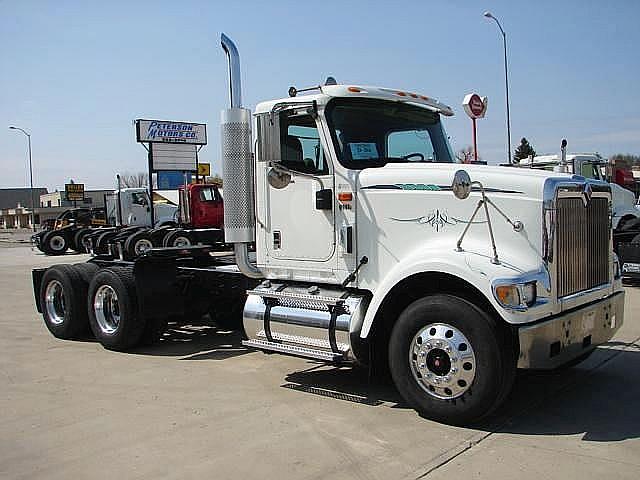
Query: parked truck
[
  {"x": 197, "y": 219},
  {"x": 372, "y": 246},
  {"x": 624, "y": 210}
]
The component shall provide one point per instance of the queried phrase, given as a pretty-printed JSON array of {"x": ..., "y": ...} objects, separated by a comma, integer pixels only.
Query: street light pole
[
  {"x": 33, "y": 212},
  {"x": 506, "y": 81}
]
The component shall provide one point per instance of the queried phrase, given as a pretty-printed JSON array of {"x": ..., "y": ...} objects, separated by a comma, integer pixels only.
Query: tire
[
  {"x": 450, "y": 361},
  {"x": 177, "y": 238},
  {"x": 113, "y": 309},
  {"x": 137, "y": 244},
  {"x": 54, "y": 243},
  {"x": 78, "y": 239},
  {"x": 86, "y": 271},
  {"x": 101, "y": 243},
  {"x": 63, "y": 295},
  {"x": 157, "y": 235}
]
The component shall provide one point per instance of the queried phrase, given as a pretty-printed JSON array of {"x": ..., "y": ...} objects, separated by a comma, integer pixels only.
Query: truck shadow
[
  {"x": 200, "y": 339},
  {"x": 597, "y": 399}
]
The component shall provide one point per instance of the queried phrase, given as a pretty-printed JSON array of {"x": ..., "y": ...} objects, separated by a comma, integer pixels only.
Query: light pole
[
  {"x": 506, "y": 81},
  {"x": 33, "y": 212}
]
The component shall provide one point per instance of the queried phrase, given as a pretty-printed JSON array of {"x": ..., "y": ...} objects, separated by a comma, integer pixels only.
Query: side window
[
  {"x": 139, "y": 199},
  {"x": 414, "y": 145},
  {"x": 300, "y": 145},
  {"x": 209, "y": 195}
]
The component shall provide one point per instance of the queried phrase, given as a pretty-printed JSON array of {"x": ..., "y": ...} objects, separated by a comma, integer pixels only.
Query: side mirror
[
  {"x": 461, "y": 184},
  {"x": 269, "y": 138}
]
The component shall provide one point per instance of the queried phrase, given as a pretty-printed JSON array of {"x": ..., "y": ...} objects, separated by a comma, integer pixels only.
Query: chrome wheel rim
[
  {"x": 142, "y": 246},
  {"x": 54, "y": 302},
  {"x": 57, "y": 243},
  {"x": 106, "y": 309},
  {"x": 442, "y": 361},
  {"x": 181, "y": 241}
]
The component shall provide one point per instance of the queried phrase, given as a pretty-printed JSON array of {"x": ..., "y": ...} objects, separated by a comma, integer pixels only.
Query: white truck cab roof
[{"x": 327, "y": 92}]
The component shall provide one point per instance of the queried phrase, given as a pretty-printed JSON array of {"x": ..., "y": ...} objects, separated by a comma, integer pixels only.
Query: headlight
[{"x": 520, "y": 295}]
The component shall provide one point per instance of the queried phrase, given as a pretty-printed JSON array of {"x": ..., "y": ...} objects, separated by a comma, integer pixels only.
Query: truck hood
[{"x": 438, "y": 176}]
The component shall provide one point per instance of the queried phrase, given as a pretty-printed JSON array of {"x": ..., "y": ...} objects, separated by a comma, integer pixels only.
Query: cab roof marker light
[{"x": 356, "y": 90}]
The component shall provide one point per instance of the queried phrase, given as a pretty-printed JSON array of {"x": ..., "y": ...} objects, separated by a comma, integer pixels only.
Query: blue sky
[{"x": 76, "y": 73}]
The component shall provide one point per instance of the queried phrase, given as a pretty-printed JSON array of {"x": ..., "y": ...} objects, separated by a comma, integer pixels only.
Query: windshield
[
  {"x": 371, "y": 133},
  {"x": 592, "y": 170}
]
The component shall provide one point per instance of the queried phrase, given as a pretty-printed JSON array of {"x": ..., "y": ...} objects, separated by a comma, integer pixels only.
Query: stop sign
[{"x": 474, "y": 105}]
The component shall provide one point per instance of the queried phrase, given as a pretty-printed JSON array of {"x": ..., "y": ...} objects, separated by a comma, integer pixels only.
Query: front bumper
[{"x": 551, "y": 343}]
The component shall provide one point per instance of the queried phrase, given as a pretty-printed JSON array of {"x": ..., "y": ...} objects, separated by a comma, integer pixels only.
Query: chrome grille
[{"x": 583, "y": 244}]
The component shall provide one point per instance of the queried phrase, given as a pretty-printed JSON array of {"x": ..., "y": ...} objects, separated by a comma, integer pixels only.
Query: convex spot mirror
[
  {"x": 461, "y": 184},
  {"x": 278, "y": 179}
]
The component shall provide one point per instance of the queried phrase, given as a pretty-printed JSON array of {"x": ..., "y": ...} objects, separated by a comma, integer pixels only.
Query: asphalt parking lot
[{"x": 199, "y": 405}]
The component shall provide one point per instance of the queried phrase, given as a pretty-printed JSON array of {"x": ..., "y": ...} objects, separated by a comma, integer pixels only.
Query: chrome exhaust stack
[{"x": 237, "y": 171}]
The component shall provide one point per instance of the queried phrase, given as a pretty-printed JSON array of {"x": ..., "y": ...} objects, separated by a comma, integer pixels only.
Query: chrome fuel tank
[{"x": 298, "y": 319}]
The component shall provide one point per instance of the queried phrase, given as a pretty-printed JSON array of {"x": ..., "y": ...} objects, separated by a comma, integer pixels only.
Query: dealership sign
[
  {"x": 74, "y": 191},
  {"x": 161, "y": 131}
]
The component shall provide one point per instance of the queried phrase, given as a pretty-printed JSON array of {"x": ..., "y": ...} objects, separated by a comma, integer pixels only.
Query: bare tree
[
  {"x": 130, "y": 180},
  {"x": 465, "y": 154}
]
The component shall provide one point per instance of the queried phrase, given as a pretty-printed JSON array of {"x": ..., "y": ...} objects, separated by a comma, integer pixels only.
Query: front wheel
[{"x": 449, "y": 360}]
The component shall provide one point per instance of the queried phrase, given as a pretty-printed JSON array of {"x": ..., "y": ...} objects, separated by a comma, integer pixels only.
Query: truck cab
[
  {"x": 201, "y": 206},
  {"x": 134, "y": 208},
  {"x": 373, "y": 243}
]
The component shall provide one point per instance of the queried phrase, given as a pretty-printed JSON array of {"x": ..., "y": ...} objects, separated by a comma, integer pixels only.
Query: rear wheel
[
  {"x": 54, "y": 243},
  {"x": 62, "y": 299},
  {"x": 449, "y": 360},
  {"x": 113, "y": 310},
  {"x": 177, "y": 238},
  {"x": 78, "y": 240},
  {"x": 137, "y": 244},
  {"x": 101, "y": 242},
  {"x": 86, "y": 271}
]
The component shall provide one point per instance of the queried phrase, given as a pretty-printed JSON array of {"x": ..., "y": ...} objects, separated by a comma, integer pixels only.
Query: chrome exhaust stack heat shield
[
  {"x": 307, "y": 322},
  {"x": 237, "y": 171}
]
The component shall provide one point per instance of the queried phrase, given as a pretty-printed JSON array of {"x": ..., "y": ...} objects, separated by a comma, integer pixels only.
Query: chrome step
[{"x": 295, "y": 350}]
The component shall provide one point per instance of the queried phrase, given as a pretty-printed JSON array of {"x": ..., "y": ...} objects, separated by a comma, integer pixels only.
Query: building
[{"x": 15, "y": 206}]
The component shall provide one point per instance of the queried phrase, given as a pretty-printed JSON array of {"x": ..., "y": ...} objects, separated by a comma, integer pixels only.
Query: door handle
[{"x": 277, "y": 239}]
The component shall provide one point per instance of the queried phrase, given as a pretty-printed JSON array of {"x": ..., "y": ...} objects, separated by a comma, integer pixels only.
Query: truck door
[
  {"x": 140, "y": 213},
  {"x": 301, "y": 213}
]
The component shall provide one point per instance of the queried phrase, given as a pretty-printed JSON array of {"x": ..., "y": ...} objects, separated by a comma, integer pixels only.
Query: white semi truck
[{"x": 373, "y": 246}]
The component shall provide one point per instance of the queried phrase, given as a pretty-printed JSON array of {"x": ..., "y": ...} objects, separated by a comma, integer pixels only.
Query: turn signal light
[{"x": 345, "y": 196}]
